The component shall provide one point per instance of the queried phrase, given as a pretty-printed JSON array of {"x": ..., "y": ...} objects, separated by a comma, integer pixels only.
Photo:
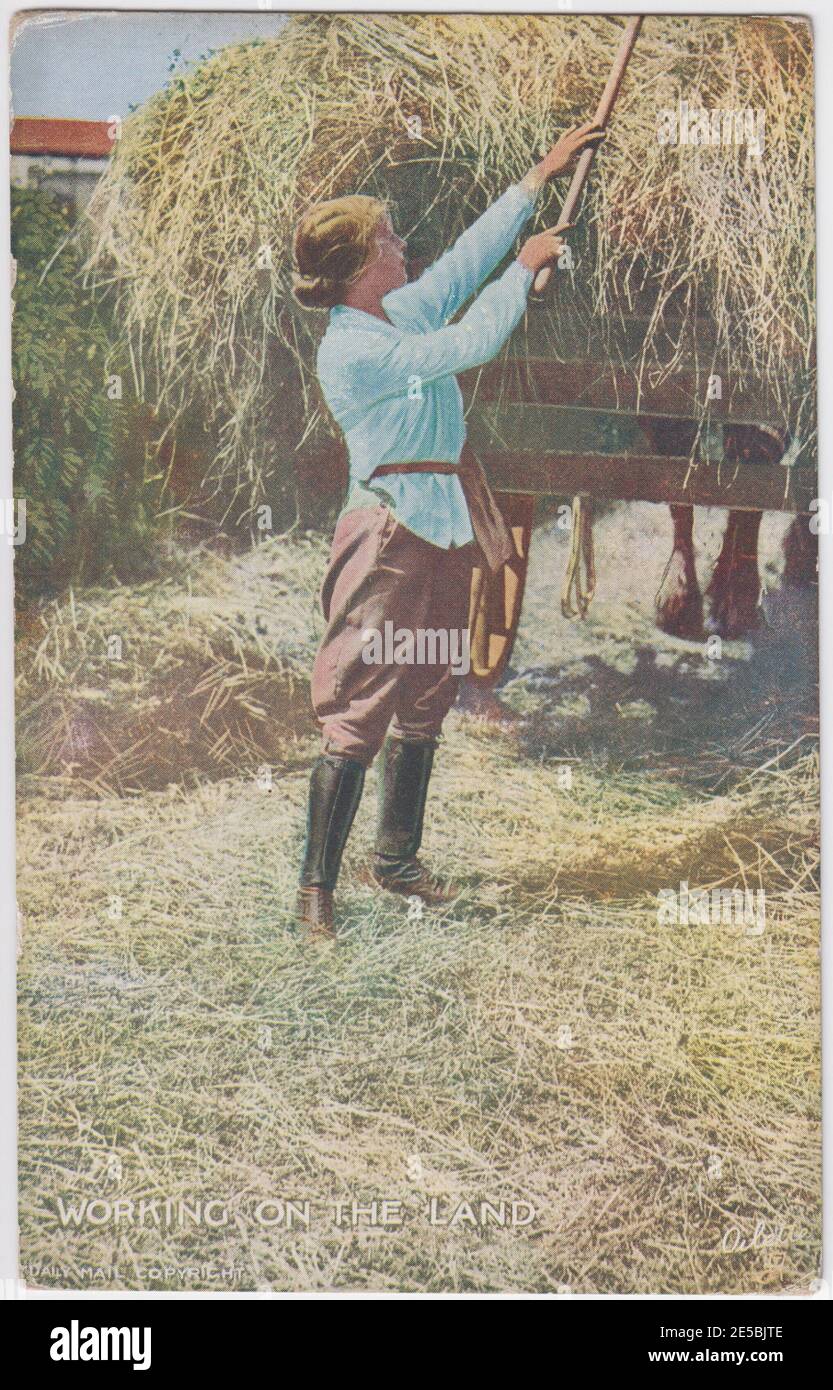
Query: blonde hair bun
[
  {"x": 315, "y": 291},
  {"x": 332, "y": 246}
]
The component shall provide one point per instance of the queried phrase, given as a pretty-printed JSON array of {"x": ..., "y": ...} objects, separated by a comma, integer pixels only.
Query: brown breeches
[{"x": 383, "y": 579}]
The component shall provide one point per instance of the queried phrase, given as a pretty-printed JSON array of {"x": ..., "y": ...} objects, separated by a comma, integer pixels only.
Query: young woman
[{"x": 418, "y": 511}]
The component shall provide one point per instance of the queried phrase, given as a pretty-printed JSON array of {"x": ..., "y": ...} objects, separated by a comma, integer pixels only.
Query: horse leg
[
  {"x": 735, "y": 586},
  {"x": 679, "y": 603}
]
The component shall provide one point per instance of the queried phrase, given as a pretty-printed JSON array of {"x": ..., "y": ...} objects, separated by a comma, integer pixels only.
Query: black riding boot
[
  {"x": 403, "y": 788},
  {"x": 335, "y": 791}
]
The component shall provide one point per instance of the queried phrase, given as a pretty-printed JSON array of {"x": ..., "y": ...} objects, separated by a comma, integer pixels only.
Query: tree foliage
[{"x": 79, "y": 454}]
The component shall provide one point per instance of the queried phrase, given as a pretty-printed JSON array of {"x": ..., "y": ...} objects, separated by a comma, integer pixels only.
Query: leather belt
[
  {"x": 491, "y": 532},
  {"x": 425, "y": 467}
]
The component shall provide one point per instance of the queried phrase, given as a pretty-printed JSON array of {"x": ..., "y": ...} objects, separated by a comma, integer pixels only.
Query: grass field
[{"x": 649, "y": 1090}]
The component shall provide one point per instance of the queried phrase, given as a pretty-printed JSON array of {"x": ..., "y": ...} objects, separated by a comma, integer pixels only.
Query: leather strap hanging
[{"x": 577, "y": 593}]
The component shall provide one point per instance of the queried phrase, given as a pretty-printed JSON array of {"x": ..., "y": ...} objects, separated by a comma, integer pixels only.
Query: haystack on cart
[{"x": 191, "y": 239}]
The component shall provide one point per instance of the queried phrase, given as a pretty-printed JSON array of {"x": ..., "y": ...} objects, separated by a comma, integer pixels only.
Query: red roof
[{"x": 43, "y": 135}]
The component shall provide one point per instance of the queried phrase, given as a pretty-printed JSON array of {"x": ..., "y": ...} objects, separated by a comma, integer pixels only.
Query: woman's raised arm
[
  {"x": 392, "y": 367},
  {"x": 444, "y": 287}
]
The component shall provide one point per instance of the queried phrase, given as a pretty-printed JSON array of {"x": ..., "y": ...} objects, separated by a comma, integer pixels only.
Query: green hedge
[{"x": 79, "y": 455}]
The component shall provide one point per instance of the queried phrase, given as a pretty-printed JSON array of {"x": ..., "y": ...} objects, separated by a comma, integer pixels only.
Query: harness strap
[{"x": 577, "y": 592}]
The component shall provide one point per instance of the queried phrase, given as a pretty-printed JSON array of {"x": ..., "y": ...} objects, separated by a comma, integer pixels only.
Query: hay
[
  {"x": 651, "y": 1089},
  {"x": 183, "y": 1047},
  {"x": 205, "y": 656},
  {"x": 212, "y": 676},
  {"x": 714, "y": 247}
]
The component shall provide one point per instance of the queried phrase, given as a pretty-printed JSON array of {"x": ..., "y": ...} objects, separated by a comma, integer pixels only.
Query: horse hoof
[{"x": 679, "y": 603}]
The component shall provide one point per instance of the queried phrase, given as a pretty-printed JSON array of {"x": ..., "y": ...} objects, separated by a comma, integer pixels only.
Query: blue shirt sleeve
[
  {"x": 444, "y": 287},
  {"x": 383, "y": 366}
]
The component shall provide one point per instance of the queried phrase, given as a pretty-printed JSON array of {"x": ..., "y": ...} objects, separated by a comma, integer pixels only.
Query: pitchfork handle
[{"x": 603, "y": 110}]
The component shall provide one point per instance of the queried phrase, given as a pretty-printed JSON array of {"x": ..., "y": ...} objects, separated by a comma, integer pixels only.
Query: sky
[{"x": 94, "y": 66}]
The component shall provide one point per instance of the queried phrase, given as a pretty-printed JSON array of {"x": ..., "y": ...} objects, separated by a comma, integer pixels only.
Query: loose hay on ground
[
  {"x": 135, "y": 687},
  {"x": 652, "y": 1090}
]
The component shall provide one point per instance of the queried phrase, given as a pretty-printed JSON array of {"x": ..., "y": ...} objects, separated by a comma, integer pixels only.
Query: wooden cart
[{"x": 561, "y": 430}]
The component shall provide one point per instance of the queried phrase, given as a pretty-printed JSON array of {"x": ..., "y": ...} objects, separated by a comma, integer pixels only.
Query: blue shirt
[{"x": 391, "y": 386}]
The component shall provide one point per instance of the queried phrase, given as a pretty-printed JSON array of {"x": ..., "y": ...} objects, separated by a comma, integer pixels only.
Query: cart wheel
[{"x": 495, "y": 604}]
